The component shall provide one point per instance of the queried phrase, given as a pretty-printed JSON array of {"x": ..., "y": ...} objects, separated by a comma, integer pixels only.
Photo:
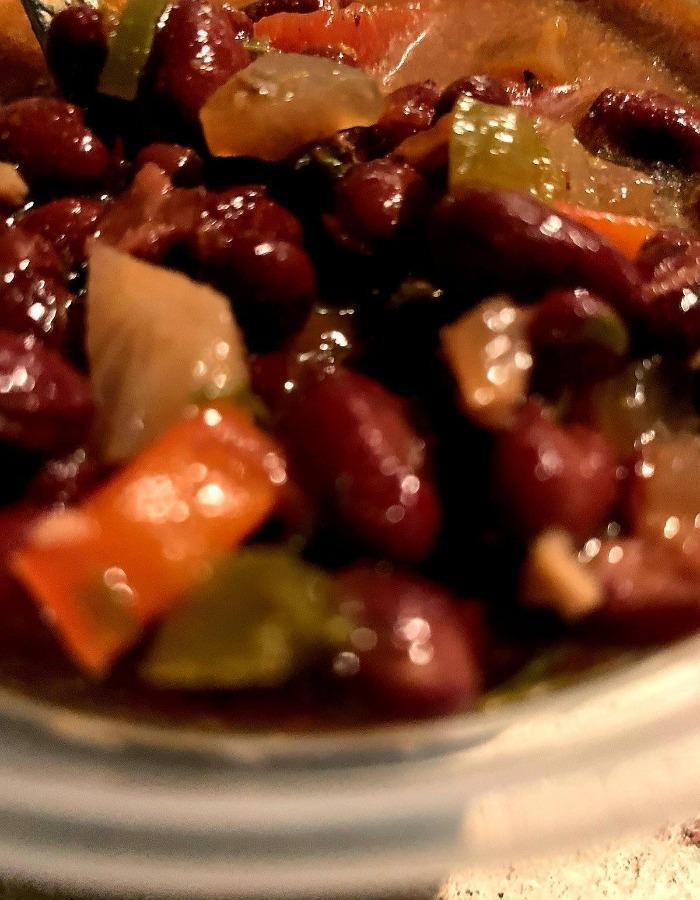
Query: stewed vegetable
[{"x": 348, "y": 355}]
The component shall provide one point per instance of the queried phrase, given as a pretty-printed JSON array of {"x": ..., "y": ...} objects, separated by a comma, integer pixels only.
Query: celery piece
[{"x": 498, "y": 146}]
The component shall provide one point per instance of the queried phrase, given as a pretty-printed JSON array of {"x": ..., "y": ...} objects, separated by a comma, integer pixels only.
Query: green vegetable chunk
[
  {"x": 262, "y": 615},
  {"x": 498, "y": 146},
  {"x": 130, "y": 47}
]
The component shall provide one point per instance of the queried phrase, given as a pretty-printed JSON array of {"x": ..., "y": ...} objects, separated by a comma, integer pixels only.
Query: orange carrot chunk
[
  {"x": 627, "y": 233},
  {"x": 104, "y": 570},
  {"x": 369, "y": 31}
]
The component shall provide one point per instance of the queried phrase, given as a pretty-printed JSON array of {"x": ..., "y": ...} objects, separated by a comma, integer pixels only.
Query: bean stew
[{"x": 349, "y": 352}]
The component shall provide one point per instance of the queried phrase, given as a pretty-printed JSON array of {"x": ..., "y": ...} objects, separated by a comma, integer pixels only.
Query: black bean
[
  {"x": 76, "y": 50},
  {"x": 549, "y": 476},
  {"x": 263, "y": 8},
  {"x": 67, "y": 223},
  {"x": 576, "y": 338},
  {"x": 408, "y": 110},
  {"x": 272, "y": 286},
  {"x": 241, "y": 23},
  {"x": 377, "y": 200},
  {"x": 660, "y": 250},
  {"x": 239, "y": 213},
  {"x": 182, "y": 165},
  {"x": 646, "y": 125},
  {"x": 45, "y": 405},
  {"x": 486, "y": 240},
  {"x": 359, "y": 452},
  {"x": 50, "y": 142},
  {"x": 426, "y": 656},
  {"x": 195, "y": 51},
  {"x": 481, "y": 87},
  {"x": 670, "y": 264},
  {"x": 33, "y": 296}
]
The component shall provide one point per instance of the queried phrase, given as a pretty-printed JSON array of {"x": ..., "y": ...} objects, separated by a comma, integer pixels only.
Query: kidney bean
[
  {"x": 551, "y": 476},
  {"x": 670, "y": 263},
  {"x": 646, "y": 125},
  {"x": 182, "y": 165},
  {"x": 576, "y": 337},
  {"x": 241, "y": 23},
  {"x": 244, "y": 212},
  {"x": 317, "y": 169},
  {"x": 413, "y": 651},
  {"x": 481, "y": 87},
  {"x": 194, "y": 53},
  {"x": 377, "y": 200},
  {"x": 67, "y": 223},
  {"x": 325, "y": 342},
  {"x": 272, "y": 285},
  {"x": 360, "y": 453},
  {"x": 151, "y": 217},
  {"x": 65, "y": 480},
  {"x": 662, "y": 248},
  {"x": 45, "y": 405},
  {"x": 50, "y": 142},
  {"x": 263, "y": 8},
  {"x": 492, "y": 240},
  {"x": 76, "y": 50},
  {"x": 408, "y": 109},
  {"x": 652, "y": 591},
  {"x": 33, "y": 296}
]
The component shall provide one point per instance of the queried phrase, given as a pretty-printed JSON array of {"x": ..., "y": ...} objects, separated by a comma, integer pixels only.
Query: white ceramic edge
[{"x": 350, "y": 814}]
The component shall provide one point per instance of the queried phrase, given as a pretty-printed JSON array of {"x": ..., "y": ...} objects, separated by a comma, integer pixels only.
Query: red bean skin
[
  {"x": 194, "y": 53},
  {"x": 241, "y": 24},
  {"x": 50, "y": 142},
  {"x": 272, "y": 286},
  {"x": 45, "y": 404},
  {"x": 646, "y": 124},
  {"x": 409, "y": 109},
  {"x": 652, "y": 591},
  {"x": 377, "y": 200},
  {"x": 33, "y": 296},
  {"x": 490, "y": 240},
  {"x": 76, "y": 50},
  {"x": 361, "y": 456},
  {"x": 67, "y": 223},
  {"x": 182, "y": 165},
  {"x": 263, "y": 8},
  {"x": 481, "y": 87},
  {"x": 576, "y": 336},
  {"x": 661, "y": 249},
  {"x": 244, "y": 212},
  {"x": 152, "y": 217},
  {"x": 670, "y": 265},
  {"x": 415, "y": 653},
  {"x": 548, "y": 476}
]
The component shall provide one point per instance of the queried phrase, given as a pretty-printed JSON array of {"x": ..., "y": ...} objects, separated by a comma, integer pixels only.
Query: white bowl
[{"x": 101, "y": 804}]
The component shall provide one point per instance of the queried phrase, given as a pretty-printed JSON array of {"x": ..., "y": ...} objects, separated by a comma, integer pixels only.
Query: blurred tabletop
[{"x": 663, "y": 864}]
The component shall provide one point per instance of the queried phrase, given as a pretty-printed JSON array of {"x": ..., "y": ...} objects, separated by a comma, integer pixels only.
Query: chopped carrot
[
  {"x": 369, "y": 31},
  {"x": 104, "y": 570},
  {"x": 627, "y": 233}
]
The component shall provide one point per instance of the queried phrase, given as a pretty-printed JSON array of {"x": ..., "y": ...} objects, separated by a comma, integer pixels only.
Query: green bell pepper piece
[
  {"x": 130, "y": 47},
  {"x": 262, "y": 615},
  {"x": 498, "y": 146}
]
